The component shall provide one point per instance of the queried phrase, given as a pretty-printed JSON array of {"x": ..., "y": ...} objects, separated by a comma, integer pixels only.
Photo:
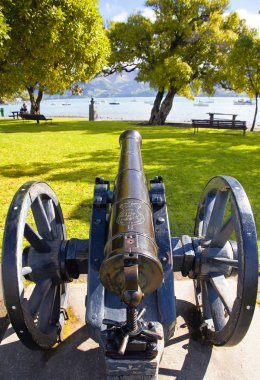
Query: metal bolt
[
  {"x": 14, "y": 307},
  {"x": 96, "y": 259},
  {"x": 26, "y": 270},
  {"x": 164, "y": 259},
  {"x": 160, "y": 220},
  {"x": 98, "y": 221},
  {"x": 150, "y": 325},
  {"x": 99, "y": 180},
  {"x": 248, "y": 307},
  {"x": 97, "y": 200}
]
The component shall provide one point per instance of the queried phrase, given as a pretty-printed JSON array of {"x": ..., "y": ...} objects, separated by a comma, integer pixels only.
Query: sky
[{"x": 119, "y": 10}]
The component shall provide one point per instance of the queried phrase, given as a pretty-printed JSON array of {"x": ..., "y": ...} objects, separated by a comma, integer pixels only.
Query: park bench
[
  {"x": 219, "y": 123},
  {"x": 34, "y": 117}
]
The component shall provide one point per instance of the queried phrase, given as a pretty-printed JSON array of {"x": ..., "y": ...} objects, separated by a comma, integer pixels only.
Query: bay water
[{"x": 139, "y": 108}]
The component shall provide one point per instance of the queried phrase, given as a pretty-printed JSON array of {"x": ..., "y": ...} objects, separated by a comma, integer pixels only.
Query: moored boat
[{"x": 243, "y": 102}]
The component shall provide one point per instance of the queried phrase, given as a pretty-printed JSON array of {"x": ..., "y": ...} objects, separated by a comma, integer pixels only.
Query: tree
[
  {"x": 3, "y": 31},
  {"x": 3, "y": 37},
  {"x": 241, "y": 67},
  {"x": 52, "y": 45},
  {"x": 177, "y": 51}
]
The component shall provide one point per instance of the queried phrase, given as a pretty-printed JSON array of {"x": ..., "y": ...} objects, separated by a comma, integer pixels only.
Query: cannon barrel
[{"x": 131, "y": 237}]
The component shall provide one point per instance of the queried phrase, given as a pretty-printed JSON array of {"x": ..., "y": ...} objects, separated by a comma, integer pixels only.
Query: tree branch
[
  {"x": 126, "y": 68},
  {"x": 203, "y": 17}
]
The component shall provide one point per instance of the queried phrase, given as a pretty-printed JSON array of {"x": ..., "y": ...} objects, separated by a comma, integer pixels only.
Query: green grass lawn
[{"x": 69, "y": 154}]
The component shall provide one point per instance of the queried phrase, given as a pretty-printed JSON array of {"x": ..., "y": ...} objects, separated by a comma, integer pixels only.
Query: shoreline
[{"x": 181, "y": 124}]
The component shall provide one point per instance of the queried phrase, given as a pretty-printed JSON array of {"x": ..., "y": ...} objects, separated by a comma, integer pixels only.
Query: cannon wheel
[
  {"x": 224, "y": 218},
  {"x": 34, "y": 217}
]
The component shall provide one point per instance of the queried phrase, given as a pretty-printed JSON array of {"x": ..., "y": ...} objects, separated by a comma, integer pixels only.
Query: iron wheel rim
[
  {"x": 55, "y": 296},
  {"x": 211, "y": 291}
]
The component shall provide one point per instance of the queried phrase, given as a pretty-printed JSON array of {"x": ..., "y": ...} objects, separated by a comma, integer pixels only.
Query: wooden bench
[
  {"x": 220, "y": 124},
  {"x": 27, "y": 116}
]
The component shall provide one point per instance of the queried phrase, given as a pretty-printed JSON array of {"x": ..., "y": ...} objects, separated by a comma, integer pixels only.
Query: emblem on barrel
[{"x": 130, "y": 214}]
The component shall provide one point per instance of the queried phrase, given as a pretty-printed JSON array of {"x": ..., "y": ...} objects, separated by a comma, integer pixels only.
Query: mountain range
[{"x": 121, "y": 85}]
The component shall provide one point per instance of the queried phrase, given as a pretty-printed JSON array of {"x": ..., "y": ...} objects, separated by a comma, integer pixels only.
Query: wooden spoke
[
  {"x": 223, "y": 290},
  {"x": 46, "y": 310},
  {"x": 223, "y": 235},
  {"x": 38, "y": 295},
  {"x": 41, "y": 219},
  {"x": 35, "y": 239},
  {"x": 216, "y": 307},
  {"x": 217, "y": 213},
  {"x": 205, "y": 301},
  {"x": 50, "y": 213},
  {"x": 56, "y": 306},
  {"x": 225, "y": 260},
  {"x": 208, "y": 207}
]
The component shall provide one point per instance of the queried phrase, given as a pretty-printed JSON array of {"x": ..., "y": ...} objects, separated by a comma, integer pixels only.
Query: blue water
[{"x": 183, "y": 110}]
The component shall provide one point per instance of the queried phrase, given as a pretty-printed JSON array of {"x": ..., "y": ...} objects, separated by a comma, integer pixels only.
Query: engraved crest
[{"x": 130, "y": 214}]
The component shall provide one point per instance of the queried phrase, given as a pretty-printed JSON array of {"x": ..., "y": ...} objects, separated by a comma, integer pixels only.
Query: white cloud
[
  {"x": 120, "y": 17},
  {"x": 148, "y": 13},
  {"x": 252, "y": 19},
  {"x": 108, "y": 7}
]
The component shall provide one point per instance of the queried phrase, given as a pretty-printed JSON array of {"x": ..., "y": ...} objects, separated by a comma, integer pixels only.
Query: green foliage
[
  {"x": 180, "y": 48},
  {"x": 70, "y": 154},
  {"x": 3, "y": 32},
  {"x": 52, "y": 44},
  {"x": 242, "y": 65},
  {"x": 239, "y": 69}
]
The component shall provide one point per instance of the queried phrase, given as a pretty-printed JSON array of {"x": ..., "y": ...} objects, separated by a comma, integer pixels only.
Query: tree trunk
[
  {"x": 256, "y": 109},
  {"x": 159, "y": 114},
  {"x": 156, "y": 107},
  {"x": 30, "y": 90},
  {"x": 35, "y": 103},
  {"x": 38, "y": 101}
]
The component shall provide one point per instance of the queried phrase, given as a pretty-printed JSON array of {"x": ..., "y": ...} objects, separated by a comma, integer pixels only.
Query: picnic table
[
  {"x": 15, "y": 114},
  {"x": 212, "y": 114},
  {"x": 213, "y": 122}
]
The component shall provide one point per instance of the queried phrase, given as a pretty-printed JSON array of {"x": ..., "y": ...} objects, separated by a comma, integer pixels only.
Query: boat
[
  {"x": 148, "y": 102},
  {"x": 243, "y": 102},
  {"x": 114, "y": 103},
  {"x": 201, "y": 103},
  {"x": 66, "y": 104}
]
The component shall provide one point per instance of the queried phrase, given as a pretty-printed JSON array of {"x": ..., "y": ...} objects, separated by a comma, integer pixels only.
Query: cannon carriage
[{"x": 130, "y": 258}]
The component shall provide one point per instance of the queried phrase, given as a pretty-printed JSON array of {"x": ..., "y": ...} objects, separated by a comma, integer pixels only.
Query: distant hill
[
  {"x": 122, "y": 85},
  {"x": 117, "y": 85}
]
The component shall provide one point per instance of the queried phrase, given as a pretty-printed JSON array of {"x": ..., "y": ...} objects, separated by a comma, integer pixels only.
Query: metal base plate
[{"x": 127, "y": 369}]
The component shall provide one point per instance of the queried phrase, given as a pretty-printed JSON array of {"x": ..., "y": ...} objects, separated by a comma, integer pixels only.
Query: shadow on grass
[
  {"x": 18, "y": 126},
  {"x": 186, "y": 161}
]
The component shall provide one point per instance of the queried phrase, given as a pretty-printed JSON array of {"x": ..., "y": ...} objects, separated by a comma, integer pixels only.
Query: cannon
[{"x": 130, "y": 259}]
